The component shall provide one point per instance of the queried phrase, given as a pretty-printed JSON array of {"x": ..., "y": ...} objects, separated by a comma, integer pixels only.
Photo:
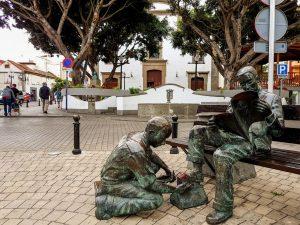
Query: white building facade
[
  {"x": 25, "y": 75},
  {"x": 169, "y": 67}
]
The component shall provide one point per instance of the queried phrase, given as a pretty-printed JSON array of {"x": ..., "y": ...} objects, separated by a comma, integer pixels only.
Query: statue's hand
[
  {"x": 211, "y": 121},
  {"x": 182, "y": 187},
  {"x": 168, "y": 178},
  {"x": 262, "y": 107}
]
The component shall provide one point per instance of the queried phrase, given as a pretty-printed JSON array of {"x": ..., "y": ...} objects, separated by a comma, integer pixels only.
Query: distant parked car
[{"x": 1, "y": 102}]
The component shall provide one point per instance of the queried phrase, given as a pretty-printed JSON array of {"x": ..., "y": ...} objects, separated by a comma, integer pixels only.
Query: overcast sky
[{"x": 15, "y": 46}]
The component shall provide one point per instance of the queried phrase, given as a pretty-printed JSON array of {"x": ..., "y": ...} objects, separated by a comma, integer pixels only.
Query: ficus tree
[
  {"x": 224, "y": 29},
  {"x": 131, "y": 38},
  {"x": 66, "y": 27}
]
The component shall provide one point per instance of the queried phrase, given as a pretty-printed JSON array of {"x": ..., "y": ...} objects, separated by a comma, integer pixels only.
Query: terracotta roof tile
[{"x": 26, "y": 69}]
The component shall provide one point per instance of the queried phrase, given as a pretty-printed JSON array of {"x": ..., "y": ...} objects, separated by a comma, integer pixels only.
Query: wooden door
[
  {"x": 111, "y": 83},
  {"x": 154, "y": 78},
  {"x": 197, "y": 84}
]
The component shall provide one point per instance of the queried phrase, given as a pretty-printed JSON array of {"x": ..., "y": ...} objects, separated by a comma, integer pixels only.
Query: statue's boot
[
  {"x": 217, "y": 217},
  {"x": 101, "y": 213},
  {"x": 193, "y": 197}
]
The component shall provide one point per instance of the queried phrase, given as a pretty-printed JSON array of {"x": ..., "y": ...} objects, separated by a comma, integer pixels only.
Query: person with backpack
[
  {"x": 58, "y": 96},
  {"x": 44, "y": 95},
  {"x": 8, "y": 98}
]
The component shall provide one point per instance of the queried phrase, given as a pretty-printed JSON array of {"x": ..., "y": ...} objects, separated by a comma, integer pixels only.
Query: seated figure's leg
[
  {"x": 196, "y": 196},
  {"x": 125, "y": 199},
  {"x": 224, "y": 158}
]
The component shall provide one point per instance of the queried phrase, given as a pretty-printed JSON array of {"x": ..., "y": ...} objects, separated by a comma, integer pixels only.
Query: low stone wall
[{"x": 186, "y": 111}]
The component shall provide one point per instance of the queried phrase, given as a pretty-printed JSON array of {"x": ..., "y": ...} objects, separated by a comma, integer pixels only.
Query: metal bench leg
[{"x": 174, "y": 149}]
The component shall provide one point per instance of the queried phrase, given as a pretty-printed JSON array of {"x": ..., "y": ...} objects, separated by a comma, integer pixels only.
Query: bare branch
[
  {"x": 64, "y": 16},
  {"x": 22, "y": 6},
  {"x": 256, "y": 60}
]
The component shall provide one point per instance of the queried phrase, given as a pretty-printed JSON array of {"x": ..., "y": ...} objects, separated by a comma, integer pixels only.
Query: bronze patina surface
[
  {"x": 128, "y": 179},
  {"x": 244, "y": 130}
]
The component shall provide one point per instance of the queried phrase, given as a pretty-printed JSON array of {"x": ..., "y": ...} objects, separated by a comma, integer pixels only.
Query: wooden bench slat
[{"x": 284, "y": 160}]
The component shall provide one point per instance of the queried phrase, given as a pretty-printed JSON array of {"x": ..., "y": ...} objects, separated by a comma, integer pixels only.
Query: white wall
[
  {"x": 176, "y": 63},
  {"x": 159, "y": 95},
  {"x": 106, "y": 103},
  {"x": 74, "y": 103}
]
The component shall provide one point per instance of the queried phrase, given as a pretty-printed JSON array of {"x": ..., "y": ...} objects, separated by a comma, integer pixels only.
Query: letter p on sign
[{"x": 282, "y": 70}]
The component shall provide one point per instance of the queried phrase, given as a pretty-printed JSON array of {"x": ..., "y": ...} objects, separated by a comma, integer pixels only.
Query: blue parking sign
[{"x": 282, "y": 70}]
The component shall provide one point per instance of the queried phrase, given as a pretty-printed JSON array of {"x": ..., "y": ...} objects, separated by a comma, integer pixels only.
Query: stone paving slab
[
  {"x": 38, "y": 188},
  {"x": 33, "y": 110}
]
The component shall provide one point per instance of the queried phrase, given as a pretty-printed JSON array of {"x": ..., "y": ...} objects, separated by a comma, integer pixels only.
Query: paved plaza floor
[{"x": 41, "y": 182}]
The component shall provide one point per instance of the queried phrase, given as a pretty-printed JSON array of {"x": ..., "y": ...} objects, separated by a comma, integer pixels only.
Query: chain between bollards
[
  {"x": 76, "y": 150},
  {"x": 174, "y": 149}
]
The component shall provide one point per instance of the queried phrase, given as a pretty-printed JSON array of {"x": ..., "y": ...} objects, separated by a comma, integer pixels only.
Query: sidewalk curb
[{"x": 13, "y": 117}]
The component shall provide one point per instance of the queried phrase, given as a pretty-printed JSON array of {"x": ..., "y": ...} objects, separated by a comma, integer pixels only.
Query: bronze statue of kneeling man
[{"x": 128, "y": 179}]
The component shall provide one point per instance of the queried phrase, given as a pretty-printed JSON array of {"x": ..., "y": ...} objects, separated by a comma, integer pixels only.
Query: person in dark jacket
[
  {"x": 8, "y": 98},
  {"x": 44, "y": 95},
  {"x": 15, "y": 90}
]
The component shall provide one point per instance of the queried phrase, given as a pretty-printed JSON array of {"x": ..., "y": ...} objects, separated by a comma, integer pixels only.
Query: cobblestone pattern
[{"x": 38, "y": 188}]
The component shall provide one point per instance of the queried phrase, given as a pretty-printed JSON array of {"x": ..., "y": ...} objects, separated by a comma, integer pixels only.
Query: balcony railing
[{"x": 293, "y": 80}]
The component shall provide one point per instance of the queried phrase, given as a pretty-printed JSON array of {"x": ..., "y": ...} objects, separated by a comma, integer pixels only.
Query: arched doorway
[
  {"x": 197, "y": 83},
  {"x": 154, "y": 78},
  {"x": 111, "y": 83}
]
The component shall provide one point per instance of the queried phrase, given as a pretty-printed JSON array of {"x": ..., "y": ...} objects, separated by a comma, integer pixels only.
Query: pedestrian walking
[
  {"x": 20, "y": 98},
  {"x": 44, "y": 95},
  {"x": 15, "y": 90},
  {"x": 8, "y": 98},
  {"x": 58, "y": 96}
]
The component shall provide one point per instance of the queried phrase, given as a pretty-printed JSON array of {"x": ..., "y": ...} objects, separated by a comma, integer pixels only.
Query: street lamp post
[
  {"x": 196, "y": 58},
  {"x": 121, "y": 58},
  {"x": 11, "y": 77},
  {"x": 124, "y": 77}
]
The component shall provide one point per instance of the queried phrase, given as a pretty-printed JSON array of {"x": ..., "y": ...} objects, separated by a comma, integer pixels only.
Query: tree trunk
[
  {"x": 111, "y": 75},
  {"x": 113, "y": 71},
  {"x": 76, "y": 79},
  {"x": 228, "y": 76}
]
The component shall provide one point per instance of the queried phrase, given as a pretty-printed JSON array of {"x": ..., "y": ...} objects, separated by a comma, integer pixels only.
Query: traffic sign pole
[
  {"x": 271, "y": 46},
  {"x": 67, "y": 81}
]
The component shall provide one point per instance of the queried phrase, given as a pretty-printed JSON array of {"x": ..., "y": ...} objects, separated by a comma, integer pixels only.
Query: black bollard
[
  {"x": 76, "y": 150},
  {"x": 27, "y": 104},
  {"x": 39, "y": 102},
  {"x": 174, "y": 149}
]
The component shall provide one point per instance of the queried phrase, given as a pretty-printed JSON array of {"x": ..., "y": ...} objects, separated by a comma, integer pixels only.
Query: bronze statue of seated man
[
  {"x": 128, "y": 178},
  {"x": 250, "y": 136}
]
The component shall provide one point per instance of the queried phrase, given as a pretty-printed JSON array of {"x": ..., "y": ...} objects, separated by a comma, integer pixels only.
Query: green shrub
[
  {"x": 77, "y": 86},
  {"x": 134, "y": 90},
  {"x": 59, "y": 84}
]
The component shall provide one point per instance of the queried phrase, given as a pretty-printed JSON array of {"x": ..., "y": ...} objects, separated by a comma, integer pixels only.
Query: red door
[
  {"x": 197, "y": 84},
  {"x": 111, "y": 83},
  {"x": 154, "y": 78}
]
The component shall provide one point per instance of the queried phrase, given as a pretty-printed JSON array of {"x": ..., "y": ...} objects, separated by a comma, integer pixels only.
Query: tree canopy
[
  {"x": 67, "y": 27},
  {"x": 130, "y": 37},
  {"x": 224, "y": 30}
]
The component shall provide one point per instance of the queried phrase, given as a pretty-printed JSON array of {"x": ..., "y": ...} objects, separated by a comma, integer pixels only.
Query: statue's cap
[
  {"x": 158, "y": 123},
  {"x": 246, "y": 69}
]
